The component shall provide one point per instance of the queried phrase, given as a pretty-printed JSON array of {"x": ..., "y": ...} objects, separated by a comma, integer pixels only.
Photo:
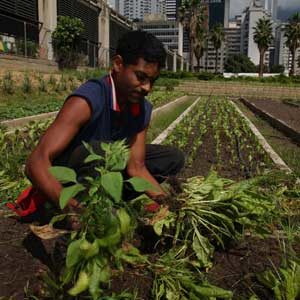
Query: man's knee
[{"x": 178, "y": 160}]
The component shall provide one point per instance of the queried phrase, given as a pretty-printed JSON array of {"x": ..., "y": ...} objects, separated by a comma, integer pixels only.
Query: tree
[
  {"x": 193, "y": 15},
  {"x": 200, "y": 43},
  {"x": 263, "y": 37},
  {"x": 66, "y": 38},
  {"x": 217, "y": 37},
  {"x": 292, "y": 34},
  {"x": 239, "y": 63}
]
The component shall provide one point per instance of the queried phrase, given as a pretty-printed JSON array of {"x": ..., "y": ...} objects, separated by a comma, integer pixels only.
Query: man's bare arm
[
  {"x": 136, "y": 164},
  {"x": 73, "y": 115}
]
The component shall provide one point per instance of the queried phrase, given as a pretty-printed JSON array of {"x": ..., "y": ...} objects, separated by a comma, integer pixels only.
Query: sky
[{"x": 286, "y": 7}]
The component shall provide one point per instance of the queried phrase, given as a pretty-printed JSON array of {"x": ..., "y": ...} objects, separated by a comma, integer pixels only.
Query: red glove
[{"x": 28, "y": 202}]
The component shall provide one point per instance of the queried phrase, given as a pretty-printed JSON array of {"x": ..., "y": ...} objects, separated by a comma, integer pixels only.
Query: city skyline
[{"x": 285, "y": 8}]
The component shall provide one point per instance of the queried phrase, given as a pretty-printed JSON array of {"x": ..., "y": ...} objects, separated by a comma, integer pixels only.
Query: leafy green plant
[
  {"x": 8, "y": 84},
  {"x": 175, "y": 280},
  {"x": 214, "y": 210},
  {"x": 42, "y": 87},
  {"x": 284, "y": 283},
  {"x": 66, "y": 38},
  {"x": 26, "y": 84},
  {"x": 52, "y": 80},
  {"x": 106, "y": 221}
]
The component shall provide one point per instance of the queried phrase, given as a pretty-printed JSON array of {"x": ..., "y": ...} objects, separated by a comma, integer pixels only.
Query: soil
[
  {"x": 23, "y": 256},
  {"x": 287, "y": 113},
  {"x": 236, "y": 268},
  {"x": 19, "y": 267}
]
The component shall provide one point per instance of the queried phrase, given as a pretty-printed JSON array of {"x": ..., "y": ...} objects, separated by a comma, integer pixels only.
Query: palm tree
[
  {"x": 217, "y": 37},
  {"x": 192, "y": 15},
  {"x": 292, "y": 34},
  {"x": 263, "y": 37}
]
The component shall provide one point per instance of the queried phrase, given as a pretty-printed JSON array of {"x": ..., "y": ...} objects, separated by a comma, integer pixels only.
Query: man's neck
[{"x": 121, "y": 99}]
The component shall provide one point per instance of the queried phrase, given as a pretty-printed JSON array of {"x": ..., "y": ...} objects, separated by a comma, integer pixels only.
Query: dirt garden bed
[
  {"x": 213, "y": 137},
  {"x": 287, "y": 113}
]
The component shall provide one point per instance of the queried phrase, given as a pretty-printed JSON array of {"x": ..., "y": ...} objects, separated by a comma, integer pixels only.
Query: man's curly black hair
[{"x": 140, "y": 44}]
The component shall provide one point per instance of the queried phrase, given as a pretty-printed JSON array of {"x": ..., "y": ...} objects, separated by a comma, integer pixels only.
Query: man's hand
[{"x": 74, "y": 209}]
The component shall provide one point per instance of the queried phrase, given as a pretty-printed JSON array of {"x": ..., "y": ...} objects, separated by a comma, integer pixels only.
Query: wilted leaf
[{"x": 47, "y": 232}]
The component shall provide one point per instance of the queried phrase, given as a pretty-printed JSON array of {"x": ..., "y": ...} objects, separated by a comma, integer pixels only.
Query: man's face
[{"x": 136, "y": 81}]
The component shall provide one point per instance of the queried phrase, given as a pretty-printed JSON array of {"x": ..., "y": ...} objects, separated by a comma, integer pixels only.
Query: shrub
[
  {"x": 52, "y": 80},
  {"x": 66, "y": 39},
  {"x": 277, "y": 69},
  {"x": 206, "y": 76},
  {"x": 42, "y": 84},
  {"x": 8, "y": 83},
  {"x": 26, "y": 85},
  {"x": 239, "y": 63}
]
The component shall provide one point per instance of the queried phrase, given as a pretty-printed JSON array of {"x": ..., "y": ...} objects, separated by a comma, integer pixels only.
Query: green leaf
[
  {"x": 57, "y": 218},
  {"x": 113, "y": 183},
  {"x": 203, "y": 250},
  {"x": 208, "y": 290},
  {"x": 81, "y": 284},
  {"x": 92, "y": 157},
  {"x": 63, "y": 174},
  {"x": 68, "y": 193},
  {"x": 73, "y": 253},
  {"x": 110, "y": 240},
  {"x": 141, "y": 185},
  {"x": 124, "y": 219},
  {"x": 94, "y": 282}
]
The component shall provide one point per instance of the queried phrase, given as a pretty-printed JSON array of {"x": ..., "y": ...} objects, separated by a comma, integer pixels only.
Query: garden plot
[
  {"x": 30, "y": 94},
  {"x": 215, "y": 136},
  {"x": 283, "y": 116},
  {"x": 129, "y": 254},
  {"x": 288, "y": 113}
]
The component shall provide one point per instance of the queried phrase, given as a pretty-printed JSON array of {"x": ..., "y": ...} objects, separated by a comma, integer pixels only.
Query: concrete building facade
[
  {"x": 251, "y": 15},
  {"x": 165, "y": 30},
  {"x": 35, "y": 22},
  {"x": 282, "y": 54},
  {"x": 138, "y": 9}
]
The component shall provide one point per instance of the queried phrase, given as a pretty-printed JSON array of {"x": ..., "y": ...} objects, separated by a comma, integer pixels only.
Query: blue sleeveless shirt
[{"x": 107, "y": 123}]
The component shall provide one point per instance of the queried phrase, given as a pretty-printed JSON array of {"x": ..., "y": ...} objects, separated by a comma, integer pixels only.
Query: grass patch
[{"x": 165, "y": 118}]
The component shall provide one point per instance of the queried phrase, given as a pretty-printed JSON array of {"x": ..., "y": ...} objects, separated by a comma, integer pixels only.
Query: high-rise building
[
  {"x": 233, "y": 37},
  {"x": 138, "y": 9},
  {"x": 282, "y": 54},
  {"x": 219, "y": 12},
  {"x": 171, "y": 9},
  {"x": 255, "y": 11}
]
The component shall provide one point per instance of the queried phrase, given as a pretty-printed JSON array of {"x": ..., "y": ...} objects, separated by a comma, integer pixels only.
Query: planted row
[{"x": 215, "y": 136}]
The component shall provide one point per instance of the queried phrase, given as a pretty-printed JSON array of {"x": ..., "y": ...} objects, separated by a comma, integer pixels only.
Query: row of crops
[
  {"x": 214, "y": 134},
  {"x": 30, "y": 94},
  {"x": 228, "y": 192}
]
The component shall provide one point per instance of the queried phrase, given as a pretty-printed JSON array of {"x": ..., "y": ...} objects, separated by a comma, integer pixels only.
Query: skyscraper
[
  {"x": 219, "y": 13},
  {"x": 171, "y": 9},
  {"x": 137, "y": 9}
]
